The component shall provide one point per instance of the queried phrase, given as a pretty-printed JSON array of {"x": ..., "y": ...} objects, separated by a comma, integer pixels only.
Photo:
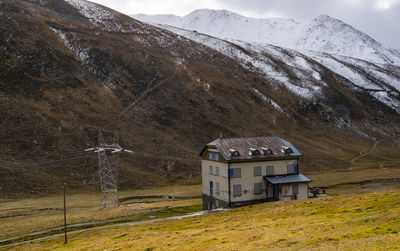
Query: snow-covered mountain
[{"x": 323, "y": 33}]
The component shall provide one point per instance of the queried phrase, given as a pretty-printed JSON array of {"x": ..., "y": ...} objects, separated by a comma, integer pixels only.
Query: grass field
[
  {"x": 22, "y": 216},
  {"x": 353, "y": 206},
  {"x": 369, "y": 221}
]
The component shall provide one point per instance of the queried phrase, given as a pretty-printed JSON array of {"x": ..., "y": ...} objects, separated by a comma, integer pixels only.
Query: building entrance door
[
  {"x": 276, "y": 189},
  {"x": 272, "y": 192}
]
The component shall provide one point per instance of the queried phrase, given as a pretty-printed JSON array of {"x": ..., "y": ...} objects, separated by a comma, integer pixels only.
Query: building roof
[
  {"x": 284, "y": 179},
  {"x": 246, "y": 148}
]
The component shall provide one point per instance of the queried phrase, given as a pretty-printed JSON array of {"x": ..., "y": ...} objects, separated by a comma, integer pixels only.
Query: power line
[{"x": 31, "y": 163}]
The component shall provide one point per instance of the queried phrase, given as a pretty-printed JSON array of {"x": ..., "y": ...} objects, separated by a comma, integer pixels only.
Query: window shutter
[
  {"x": 270, "y": 170},
  {"x": 217, "y": 170},
  {"x": 237, "y": 190},
  {"x": 257, "y": 171},
  {"x": 289, "y": 169},
  {"x": 217, "y": 187},
  {"x": 237, "y": 173},
  {"x": 230, "y": 174},
  {"x": 257, "y": 188}
]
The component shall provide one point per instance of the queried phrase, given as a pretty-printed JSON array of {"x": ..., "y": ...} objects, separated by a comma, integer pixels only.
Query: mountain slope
[
  {"x": 70, "y": 68},
  {"x": 301, "y": 74},
  {"x": 323, "y": 33}
]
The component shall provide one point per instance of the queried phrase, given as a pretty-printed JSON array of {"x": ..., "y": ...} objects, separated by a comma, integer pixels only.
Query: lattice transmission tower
[{"x": 107, "y": 169}]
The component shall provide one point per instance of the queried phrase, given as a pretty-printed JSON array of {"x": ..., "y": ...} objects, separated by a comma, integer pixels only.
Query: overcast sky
[{"x": 378, "y": 18}]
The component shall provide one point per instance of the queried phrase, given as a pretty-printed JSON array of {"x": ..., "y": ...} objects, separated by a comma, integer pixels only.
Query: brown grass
[
  {"x": 347, "y": 222},
  {"x": 24, "y": 216}
]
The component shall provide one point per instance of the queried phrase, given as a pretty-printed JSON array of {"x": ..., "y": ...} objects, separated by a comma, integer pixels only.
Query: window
[
  {"x": 237, "y": 190},
  {"x": 217, "y": 187},
  {"x": 257, "y": 188},
  {"x": 290, "y": 169},
  {"x": 211, "y": 188},
  {"x": 233, "y": 152},
  {"x": 266, "y": 150},
  {"x": 289, "y": 150},
  {"x": 286, "y": 149},
  {"x": 211, "y": 169},
  {"x": 295, "y": 188},
  {"x": 257, "y": 171},
  {"x": 270, "y": 170},
  {"x": 253, "y": 151},
  {"x": 213, "y": 156},
  {"x": 235, "y": 172},
  {"x": 216, "y": 171}
]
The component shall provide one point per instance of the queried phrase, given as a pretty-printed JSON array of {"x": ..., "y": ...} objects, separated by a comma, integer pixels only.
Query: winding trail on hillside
[
  {"x": 52, "y": 236},
  {"x": 373, "y": 147}
]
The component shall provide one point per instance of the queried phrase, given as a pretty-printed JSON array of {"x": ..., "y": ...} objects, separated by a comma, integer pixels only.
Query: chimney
[{"x": 220, "y": 136}]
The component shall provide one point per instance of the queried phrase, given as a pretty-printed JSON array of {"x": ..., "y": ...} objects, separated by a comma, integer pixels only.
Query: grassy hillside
[
  {"x": 367, "y": 221},
  {"x": 63, "y": 77}
]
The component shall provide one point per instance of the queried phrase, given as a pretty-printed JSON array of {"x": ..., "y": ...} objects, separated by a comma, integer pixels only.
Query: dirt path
[
  {"x": 373, "y": 147},
  {"x": 98, "y": 227}
]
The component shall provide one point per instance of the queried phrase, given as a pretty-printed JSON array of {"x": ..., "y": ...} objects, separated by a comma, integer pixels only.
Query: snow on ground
[
  {"x": 344, "y": 70},
  {"x": 268, "y": 100},
  {"x": 258, "y": 57},
  {"x": 100, "y": 16},
  {"x": 252, "y": 58},
  {"x": 71, "y": 41},
  {"x": 96, "y": 14},
  {"x": 383, "y": 73},
  {"x": 82, "y": 53}
]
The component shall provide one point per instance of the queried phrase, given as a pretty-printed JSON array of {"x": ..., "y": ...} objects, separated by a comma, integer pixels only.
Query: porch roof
[{"x": 284, "y": 179}]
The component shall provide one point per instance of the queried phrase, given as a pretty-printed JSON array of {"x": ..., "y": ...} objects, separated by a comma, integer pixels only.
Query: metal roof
[
  {"x": 278, "y": 145},
  {"x": 284, "y": 179}
]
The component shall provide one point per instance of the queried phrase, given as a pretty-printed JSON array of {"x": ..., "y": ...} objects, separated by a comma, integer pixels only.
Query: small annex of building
[{"x": 244, "y": 171}]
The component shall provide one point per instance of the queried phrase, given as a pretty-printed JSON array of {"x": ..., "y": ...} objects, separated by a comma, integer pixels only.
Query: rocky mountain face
[{"x": 69, "y": 68}]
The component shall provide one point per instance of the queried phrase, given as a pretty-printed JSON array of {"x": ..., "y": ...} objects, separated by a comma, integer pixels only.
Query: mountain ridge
[{"x": 336, "y": 37}]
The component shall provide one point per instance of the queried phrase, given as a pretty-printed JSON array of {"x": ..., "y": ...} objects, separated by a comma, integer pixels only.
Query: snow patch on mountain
[
  {"x": 301, "y": 73},
  {"x": 95, "y": 13},
  {"x": 252, "y": 58},
  {"x": 268, "y": 100},
  {"x": 82, "y": 53},
  {"x": 100, "y": 16}
]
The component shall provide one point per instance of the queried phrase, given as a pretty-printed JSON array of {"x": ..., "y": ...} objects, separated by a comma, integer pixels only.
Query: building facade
[{"x": 243, "y": 171}]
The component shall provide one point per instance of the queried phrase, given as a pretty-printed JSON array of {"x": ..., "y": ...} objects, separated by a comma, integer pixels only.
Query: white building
[{"x": 243, "y": 171}]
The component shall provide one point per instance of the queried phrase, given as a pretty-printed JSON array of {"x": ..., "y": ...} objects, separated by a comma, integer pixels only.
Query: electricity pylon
[{"x": 108, "y": 181}]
